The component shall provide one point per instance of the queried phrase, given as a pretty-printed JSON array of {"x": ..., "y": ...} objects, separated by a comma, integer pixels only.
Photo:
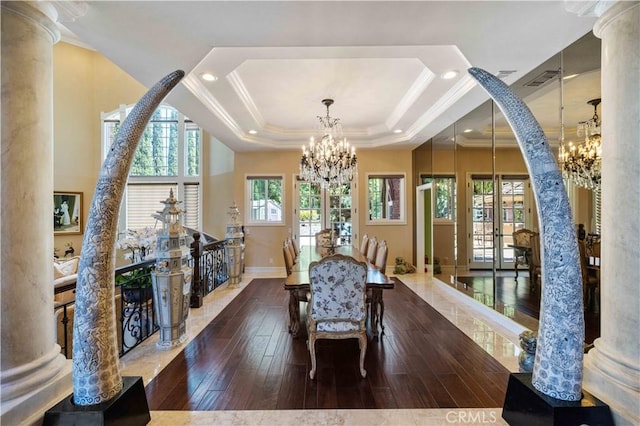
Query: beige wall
[
  {"x": 84, "y": 85},
  {"x": 399, "y": 237},
  {"x": 217, "y": 186},
  {"x": 264, "y": 243}
]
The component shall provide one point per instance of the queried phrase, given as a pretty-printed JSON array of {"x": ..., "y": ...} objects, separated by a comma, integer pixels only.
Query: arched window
[{"x": 168, "y": 157}]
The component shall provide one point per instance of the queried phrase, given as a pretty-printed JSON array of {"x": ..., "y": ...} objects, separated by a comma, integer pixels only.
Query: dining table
[{"x": 297, "y": 284}]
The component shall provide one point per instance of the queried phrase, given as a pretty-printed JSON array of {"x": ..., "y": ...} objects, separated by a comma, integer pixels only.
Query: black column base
[
  {"x": 127, "y": 408},
  {"x": 525, "y": 405}
]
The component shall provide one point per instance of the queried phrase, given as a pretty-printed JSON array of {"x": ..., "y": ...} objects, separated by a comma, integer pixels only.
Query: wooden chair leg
[
  {"x": 363, "y": 351},
  {"x": 312, "y": 352}
]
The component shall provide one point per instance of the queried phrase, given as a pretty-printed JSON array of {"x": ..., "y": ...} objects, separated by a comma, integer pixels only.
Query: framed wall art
[{"x": 67, "y": 213}]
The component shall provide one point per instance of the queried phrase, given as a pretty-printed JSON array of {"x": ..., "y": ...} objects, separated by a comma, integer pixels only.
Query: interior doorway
[{"x": 424, "y": 226}]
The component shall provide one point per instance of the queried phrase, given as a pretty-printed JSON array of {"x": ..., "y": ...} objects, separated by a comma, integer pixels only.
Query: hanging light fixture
[
  {"x": 331, "y": 161},
  {"x": 581, "y": 162}
]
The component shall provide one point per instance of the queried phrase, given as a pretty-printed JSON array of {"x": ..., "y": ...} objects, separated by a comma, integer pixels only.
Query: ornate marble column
[
  {"x": 32, "y": 370},
  {"x": 612, "y": 368}
]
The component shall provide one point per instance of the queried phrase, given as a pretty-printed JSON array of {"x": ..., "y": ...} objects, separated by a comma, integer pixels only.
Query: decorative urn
[
  {"x": 172, "y": 276},
  {"x": 234, "y": 247}
]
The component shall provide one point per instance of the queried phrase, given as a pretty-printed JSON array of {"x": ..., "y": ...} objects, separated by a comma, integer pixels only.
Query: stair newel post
[{"x": 196, "y": 279}]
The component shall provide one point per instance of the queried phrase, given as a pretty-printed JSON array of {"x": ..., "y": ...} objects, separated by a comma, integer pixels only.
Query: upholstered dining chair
[
  {"x": 296, "y": 249},
  {"x": 323, "y": 242},
  {"x": 337, "y": 307},
  {"x": 372, "y": 248},
  {"x": 381, "y": 256},
  {"x": 374, "y": 296},
  {"x": 292, "y": 250},
  {"x": 288, "y": 258},
  {"x": 364, "y": 244},
  {"x": 522, "y": 251}
]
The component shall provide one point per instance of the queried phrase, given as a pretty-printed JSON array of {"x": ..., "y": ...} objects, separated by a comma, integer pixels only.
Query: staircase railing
[{"x": 135, "y": 315}]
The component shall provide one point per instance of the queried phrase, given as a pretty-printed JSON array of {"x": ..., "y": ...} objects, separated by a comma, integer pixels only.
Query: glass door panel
[
  {"x": 512, "y": 217},
  {"x": 309, "y": 212},
  {"x": 340, "y": 213},
  {"x": 319, "y": 209},
  {"x": 481, "y": 223}
]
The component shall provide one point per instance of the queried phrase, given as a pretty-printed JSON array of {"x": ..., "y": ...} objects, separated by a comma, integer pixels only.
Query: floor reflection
[{"x": 514, "y": 298}]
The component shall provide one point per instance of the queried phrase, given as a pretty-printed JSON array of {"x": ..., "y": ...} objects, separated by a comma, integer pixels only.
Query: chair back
[
  {"x": 291, "y": 249},
  {"x": 522, "y": 237},
  {"x": 288, "y": 259},
  {"x": 337, "y": 286},
  {"x": 323, "y": 238},
  {"x": 381, "y": 256},
  {"x": 535, "y": 251},
  {"x": 372, "y": 249},
  {"x": 364, "y": 244},
  {"x": 296, "y": 249}
]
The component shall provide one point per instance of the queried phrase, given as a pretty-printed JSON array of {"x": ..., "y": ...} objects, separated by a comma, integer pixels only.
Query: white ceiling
[{"x": 381, "y": 61}]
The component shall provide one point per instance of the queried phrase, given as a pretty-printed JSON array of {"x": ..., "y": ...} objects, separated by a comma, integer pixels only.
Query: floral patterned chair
[{"x": 337, "y": 306}]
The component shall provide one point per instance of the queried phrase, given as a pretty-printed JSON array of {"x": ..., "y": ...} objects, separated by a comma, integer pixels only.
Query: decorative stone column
[
  {"x": 612, "y": 368},
  {"x": 33, "y": 372}
]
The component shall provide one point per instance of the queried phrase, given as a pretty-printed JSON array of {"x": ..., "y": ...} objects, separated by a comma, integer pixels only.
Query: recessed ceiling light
[
  {"x": 397, "y": 131},
  {"x": 209, "y": 77},
  {"x": 449, "y": 75},
  {"x": 253, "y": 132},
  {"x": 467, "y": 131},
  {"x": 569, "y": 77}
]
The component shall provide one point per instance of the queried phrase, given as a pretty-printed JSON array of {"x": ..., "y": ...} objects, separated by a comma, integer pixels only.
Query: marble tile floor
[{"x": 496, "y": 334}]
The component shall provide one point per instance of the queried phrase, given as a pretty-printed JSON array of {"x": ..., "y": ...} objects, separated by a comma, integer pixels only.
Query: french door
[
  {"x": 318, "y": 209},
  {"x": 498, "y": 208}
]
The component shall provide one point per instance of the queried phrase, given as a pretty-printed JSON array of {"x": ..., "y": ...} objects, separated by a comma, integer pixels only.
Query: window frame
[
  {"x": 403, "y": 198},
  {"x": 181, "y": 181},
  {"x": 452, "y": 195},
  {"x": 248, "y": 199}
]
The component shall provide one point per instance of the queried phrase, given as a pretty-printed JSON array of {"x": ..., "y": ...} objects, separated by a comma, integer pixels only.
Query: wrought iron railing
[
  {"x": 209, "y": 268},
  {"x": 134, "y": 305},
  {"x": 135, "y": 313}
]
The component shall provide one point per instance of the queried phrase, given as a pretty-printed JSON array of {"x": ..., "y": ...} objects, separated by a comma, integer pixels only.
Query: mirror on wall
[{"x": 478, "y": 160}]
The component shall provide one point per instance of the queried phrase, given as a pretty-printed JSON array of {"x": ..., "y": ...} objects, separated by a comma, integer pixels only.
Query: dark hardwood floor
[
  {"x": 514, "y": 297},
  {"x": 246, "y": 360}
]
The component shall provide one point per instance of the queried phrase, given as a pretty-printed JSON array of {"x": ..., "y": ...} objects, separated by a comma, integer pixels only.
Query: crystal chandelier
[
  {"x": 330, "y": 162},
  {"x": 581, "y": 162}
]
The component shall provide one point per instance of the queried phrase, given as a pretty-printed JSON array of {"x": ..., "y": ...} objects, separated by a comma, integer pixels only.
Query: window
[
  {"x": 265, "y": 195},
  {"x": 445, "y": 196},
  {"x": 386, "y": 198},
  {"x": 168, "y": 157}
]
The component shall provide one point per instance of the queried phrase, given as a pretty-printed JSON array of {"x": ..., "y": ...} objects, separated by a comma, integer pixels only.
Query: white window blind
[
  {"x": 143, "y": 200},
  {"x": 190, "y": 204}
]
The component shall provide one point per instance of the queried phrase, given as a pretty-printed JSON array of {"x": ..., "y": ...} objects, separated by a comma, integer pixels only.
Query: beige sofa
[{"x": 65, "y": 271}]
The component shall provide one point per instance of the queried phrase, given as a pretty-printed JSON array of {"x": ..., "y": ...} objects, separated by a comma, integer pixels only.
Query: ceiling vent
[
  {"x": 541, "y": 79},
  {"x": 505, "y": 73}
]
